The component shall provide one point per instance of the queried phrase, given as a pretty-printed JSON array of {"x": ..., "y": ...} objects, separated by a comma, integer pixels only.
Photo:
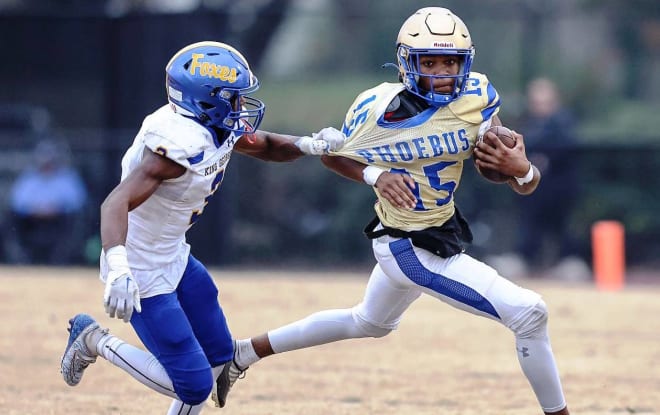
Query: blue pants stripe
[{"x": 404, "y": 254}]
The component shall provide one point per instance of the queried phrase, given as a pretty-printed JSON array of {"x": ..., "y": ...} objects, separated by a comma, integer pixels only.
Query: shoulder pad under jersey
[
  {"x": 368, "y": 106},
  {"x": 175, "y": 137},
  {"x": 479, "y": 102}
]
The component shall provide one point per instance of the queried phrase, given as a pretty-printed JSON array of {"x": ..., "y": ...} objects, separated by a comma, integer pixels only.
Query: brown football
[{"x": 506, "y": 137}]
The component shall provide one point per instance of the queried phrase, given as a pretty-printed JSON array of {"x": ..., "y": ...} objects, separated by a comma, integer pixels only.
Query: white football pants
[{"x": 402, "y": 274}]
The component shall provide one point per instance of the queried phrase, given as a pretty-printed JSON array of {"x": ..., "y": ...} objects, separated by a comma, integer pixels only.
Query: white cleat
[{"x": 77, "y": 356}]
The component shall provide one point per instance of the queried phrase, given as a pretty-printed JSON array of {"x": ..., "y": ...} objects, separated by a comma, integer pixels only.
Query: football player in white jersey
[
  {"x": 176, "y": 163},
  {"x": 409, "y": 140}
]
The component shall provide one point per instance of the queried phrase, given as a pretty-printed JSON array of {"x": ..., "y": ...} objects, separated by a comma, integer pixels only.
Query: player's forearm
[
  {"x": 269, "y": 146},
  {"x": 343, "y": 166}
]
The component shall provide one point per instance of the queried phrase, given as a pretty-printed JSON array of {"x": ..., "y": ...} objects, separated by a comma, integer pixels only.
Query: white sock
[
  {"x": 538, "y": 365},
  {"x": 318, "y": 328},
  {"x": 245, "y": 354},
  {"x": 179, "y": 408},
  {"x": 142, "y": 365}
]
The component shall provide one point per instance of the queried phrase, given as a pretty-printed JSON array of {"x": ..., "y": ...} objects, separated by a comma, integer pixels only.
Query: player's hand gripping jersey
[
  {"x": 156, "y": 243},
  {"x": 430, "y": 147}
]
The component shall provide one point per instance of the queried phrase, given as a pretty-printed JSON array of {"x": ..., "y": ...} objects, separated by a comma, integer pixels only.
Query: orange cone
[{"x": 608, "y": 249}]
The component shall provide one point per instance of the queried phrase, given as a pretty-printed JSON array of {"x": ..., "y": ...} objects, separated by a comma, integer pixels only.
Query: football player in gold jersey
[{"x": 409, "y": 140}]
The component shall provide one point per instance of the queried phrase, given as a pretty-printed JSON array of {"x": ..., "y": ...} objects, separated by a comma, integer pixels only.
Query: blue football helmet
[
  {"x": 433, "y": 31},
  {"x": 209, "y": 81}
]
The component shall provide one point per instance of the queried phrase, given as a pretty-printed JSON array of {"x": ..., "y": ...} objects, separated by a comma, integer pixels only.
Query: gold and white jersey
[
  {"x": 430, "y": 147},
  {"x": 156, "y": 243}
]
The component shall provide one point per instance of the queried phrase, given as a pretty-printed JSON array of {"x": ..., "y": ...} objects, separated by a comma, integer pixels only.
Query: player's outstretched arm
[
  {"x": 393, "y": 187},
  {"x": 269, "y": 146}
]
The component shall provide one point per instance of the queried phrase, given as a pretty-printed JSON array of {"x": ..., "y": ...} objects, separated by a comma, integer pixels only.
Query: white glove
[
  {"x": 121, "y": 295},
  {"x": 332, "y": 136},
  {"x": 328, "y": 139},
  {"x": 308, "y": 145}
]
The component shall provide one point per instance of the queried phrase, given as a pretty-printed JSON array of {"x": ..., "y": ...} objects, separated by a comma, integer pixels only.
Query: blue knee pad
[
  {"x": 165, "y": 331},
  {"x": 192, "y": 384}
]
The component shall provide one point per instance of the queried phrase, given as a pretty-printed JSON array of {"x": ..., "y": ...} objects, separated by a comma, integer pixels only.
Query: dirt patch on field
[{"x": 439, "y": 361}]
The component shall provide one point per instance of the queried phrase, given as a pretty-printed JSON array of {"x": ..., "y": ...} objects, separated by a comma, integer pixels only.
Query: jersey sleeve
[
  {"x": 358, "y": 113},
  {"x": 361, "y": 122},
  {"x": 181, "y": 142},
  {"x": 480, "y": 101}
]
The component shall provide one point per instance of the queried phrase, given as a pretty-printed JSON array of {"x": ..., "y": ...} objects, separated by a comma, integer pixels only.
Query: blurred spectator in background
[
  {"x": 548, "y": 128},
  {"x": 45, "y": 205}
]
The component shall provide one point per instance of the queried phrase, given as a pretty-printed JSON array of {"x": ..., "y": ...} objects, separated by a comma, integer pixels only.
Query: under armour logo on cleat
[{"x": 524, "y": 351}]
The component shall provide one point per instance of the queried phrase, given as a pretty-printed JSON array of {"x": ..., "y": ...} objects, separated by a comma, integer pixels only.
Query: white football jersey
[
  {"x": 430, "y": 147},
  {"x": 156, "y": 242}
]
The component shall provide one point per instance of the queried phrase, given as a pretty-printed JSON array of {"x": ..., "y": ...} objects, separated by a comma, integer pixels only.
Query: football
[{"x": 506, "y": 137}]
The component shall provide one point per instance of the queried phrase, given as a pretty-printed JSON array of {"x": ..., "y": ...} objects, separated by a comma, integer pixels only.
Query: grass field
[{"x": 439, "y": 361}]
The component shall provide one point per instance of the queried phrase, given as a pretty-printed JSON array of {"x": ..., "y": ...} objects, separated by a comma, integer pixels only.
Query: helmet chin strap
[
  {"x": 203, "y": 119},
  {"x": 179, "y": 110}
]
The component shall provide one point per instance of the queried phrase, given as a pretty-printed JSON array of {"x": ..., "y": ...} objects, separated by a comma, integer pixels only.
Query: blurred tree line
[{"x": 97, "y": 74}]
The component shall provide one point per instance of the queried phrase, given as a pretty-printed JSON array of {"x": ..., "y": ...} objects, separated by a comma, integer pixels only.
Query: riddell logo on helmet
[
  {"x": 443, "y": 45},
  {"x": 211, "y": 70}
]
